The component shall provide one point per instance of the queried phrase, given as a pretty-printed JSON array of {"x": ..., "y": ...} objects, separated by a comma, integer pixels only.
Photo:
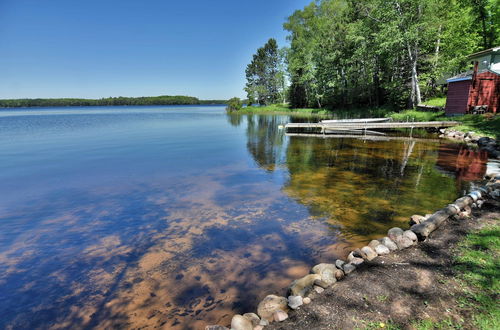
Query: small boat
[{"x": 356, "y": 121}]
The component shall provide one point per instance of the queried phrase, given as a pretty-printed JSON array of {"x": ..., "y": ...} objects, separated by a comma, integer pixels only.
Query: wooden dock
[{"x": 370, "y": 126}]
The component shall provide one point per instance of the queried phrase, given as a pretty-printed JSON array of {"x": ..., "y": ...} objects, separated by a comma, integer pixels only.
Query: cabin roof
[
  {"x": 467, "y": 75},
  {"x": 486, "y": 51}
]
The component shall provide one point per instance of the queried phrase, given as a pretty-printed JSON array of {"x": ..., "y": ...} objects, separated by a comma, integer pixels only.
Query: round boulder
[
  {"x": 381, "y": 250},
  {"x": 327, "y": 272},
  {"x": 394, "y": 233},
  {"x": 239, "y": 322},
  {"x": 389, "y": 243},
  {"x": 368, "y": 253},
  {"x": 295, "y": 301},
  {"x": 271, "y": 304},
  {"x": 252, "y": 317}
]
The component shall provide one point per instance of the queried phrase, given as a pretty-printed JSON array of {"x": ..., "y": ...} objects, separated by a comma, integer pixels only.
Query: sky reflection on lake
[{"x": 181, "y": 216}]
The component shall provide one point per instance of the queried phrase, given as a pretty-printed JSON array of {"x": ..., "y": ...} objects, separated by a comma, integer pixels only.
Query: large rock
[
  {"x": 389, "y": 243},
  {"x": 394, "y": 233},
  {"x": 373, "y": 244},
  {"x": 339, "y": 263},
  {"x": 367, "y": 253},
  {"x": 381, "y": 250},
  {"x": 295, "y": 301},
  {"x": 327, "y": 272},
  {"x": 349, "y": 268},
  {"x": 302, "y": 286},
  {"x": 411, "y": 235},
  {"x": 271, "y": 304},
  {"x": 356, "y": 262},
  {"x": 240, "y": 322},
  {"x": 252, "y": 317},
  {"x": 403, "y": 242}
]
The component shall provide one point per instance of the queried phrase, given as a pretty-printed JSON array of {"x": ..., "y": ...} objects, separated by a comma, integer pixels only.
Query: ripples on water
[{"x": 182, "y": 216}]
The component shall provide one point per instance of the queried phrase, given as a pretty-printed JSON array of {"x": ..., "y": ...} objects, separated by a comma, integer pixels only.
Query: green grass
[
  {"x": 479, "y": 266},
  {"x": 484, "y": 125},
  {"x": 283, "y": 109},
  {"x": 414, "y": 115},
  {"x": 436, "y": 102},
  {"x": 478, "y": 269},
  {"x": 333, "y": 113}
]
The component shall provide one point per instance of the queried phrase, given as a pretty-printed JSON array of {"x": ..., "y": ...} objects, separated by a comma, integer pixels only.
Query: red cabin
[{"x": 478, "y": 90}]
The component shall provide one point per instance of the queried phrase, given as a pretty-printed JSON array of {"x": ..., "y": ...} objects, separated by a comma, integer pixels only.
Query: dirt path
[{"x": 413, "y": 284}]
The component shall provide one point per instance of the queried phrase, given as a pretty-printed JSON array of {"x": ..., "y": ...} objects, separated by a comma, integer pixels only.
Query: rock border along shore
[{"x": 275, "y": 308}]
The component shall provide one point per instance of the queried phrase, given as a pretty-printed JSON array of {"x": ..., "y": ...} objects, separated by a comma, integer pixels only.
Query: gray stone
[
  {"x": 302, "y": 286},
  {"x": 394, "y": 233},
  {"x": 403, "y": 242},
  {"x": 307, "y": 300},
  {"x": 349, "y": 268},
  {"x": 327, "y": 273},
  {"x": 339, "y": 263},
  {"x": 368, "y": 253},
  {"x": 295, "y": 301},
  {"x": 356, "y": 261},
  {"x": 239, "y": 322},
  {"x": 411, "y": 235},
  {"x": 373, "y": 244},
  {"x": 389, "y": 243},
  {"x": 252, "y": 317},
  {"x": 271, "y": 304},
  {"x": 382, "y": 250},
  {"x": 280, "y": 316}
]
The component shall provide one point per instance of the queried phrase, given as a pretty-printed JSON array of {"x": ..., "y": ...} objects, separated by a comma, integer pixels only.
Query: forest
[
  {"x": 145, "y": 100},
  {"x": 348, "y": 53}
]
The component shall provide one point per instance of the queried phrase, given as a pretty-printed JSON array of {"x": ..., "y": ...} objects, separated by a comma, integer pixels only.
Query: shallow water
[{"x": 182, "y": 216}]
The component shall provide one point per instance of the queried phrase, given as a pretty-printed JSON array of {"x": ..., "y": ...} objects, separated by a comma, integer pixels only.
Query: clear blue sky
[{"x": 100, "y": 48}]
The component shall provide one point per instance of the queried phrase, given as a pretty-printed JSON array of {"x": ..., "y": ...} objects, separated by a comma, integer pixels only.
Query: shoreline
[{"x": 326, "y": 276}]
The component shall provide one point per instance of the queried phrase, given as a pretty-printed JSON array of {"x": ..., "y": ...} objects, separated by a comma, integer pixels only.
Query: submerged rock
[
  {"x": 240, "y": 322},
  {"x": 302, "y": 286},
  {"x": 271, "y": 304},
  {"x": 295, "y": 301}
]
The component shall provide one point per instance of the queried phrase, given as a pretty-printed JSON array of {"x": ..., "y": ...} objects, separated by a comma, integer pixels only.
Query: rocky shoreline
[{"x": 325, "y": 275}]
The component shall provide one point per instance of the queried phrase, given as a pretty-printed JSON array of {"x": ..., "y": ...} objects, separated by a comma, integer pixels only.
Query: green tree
[{"x": 234, "y": 104}]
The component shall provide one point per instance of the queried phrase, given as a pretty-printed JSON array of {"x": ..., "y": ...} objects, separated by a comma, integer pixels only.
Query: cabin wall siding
[
  {"x": 457, "y": 97},
  {"x": 485, "y": 91}
]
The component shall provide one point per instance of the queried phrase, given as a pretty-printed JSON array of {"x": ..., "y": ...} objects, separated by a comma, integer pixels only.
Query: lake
[{"x": 181, "y": 216}]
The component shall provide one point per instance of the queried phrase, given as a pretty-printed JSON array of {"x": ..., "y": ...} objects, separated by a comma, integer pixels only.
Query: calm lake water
[{"x": 182, "y": 216}]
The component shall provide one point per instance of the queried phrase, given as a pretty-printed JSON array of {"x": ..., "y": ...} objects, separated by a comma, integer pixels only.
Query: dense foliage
[
  {"x": 347, "y": 53},
  {"x": 265, "y": 75},
  {"x": 234, "y": 104},
  {"x": 145, "y": 100}
]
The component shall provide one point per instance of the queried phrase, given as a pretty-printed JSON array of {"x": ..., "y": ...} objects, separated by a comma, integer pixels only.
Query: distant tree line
[
  {"x": 374, "y": 52},
  {"x": 145, "y": 100}
]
